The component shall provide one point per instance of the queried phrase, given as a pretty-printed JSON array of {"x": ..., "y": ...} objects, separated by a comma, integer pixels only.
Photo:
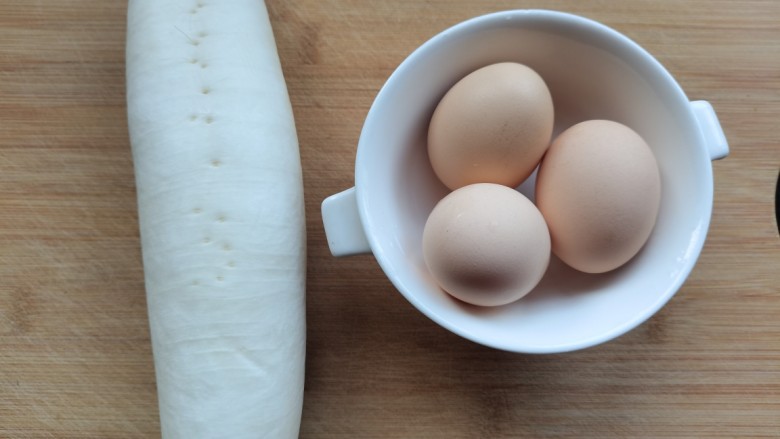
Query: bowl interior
[{"x": 592, "y": 72}]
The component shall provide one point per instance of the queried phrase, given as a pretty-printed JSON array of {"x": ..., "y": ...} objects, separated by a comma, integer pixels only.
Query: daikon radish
[{"x": 221, "y": 215}]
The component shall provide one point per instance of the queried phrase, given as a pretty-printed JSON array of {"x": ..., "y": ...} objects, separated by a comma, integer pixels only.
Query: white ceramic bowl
[{"x": 593, "y": 72}]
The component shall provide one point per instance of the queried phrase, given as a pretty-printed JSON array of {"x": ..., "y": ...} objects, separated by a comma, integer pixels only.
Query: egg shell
[
  {"x": 492, "y": 126},
  {"x": 599, "y": 189},
  {"x": 486, "y": 244}
]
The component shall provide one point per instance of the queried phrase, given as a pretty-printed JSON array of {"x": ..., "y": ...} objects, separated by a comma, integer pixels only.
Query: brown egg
[
  {"x": 486, "y": 244},
  {"x": 493, "y": 126},
  {"x": 599, "y": 190}
]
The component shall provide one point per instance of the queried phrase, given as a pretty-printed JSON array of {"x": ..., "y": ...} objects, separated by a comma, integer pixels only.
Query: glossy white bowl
[{"x": 593, "y": 72}]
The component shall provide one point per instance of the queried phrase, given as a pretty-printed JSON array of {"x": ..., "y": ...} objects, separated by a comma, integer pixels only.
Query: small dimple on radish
[
  {"x": 216, "y": 163},
  {"x": 197, "y": 210},
  {"x": 209, "y": 119},
  {"x": 206, "y": 240}
]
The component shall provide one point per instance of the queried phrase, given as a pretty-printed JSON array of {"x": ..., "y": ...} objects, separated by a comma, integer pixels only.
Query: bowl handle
[
  {"x": 710, "y": 127},
  {"x": 343, "y": 227}
]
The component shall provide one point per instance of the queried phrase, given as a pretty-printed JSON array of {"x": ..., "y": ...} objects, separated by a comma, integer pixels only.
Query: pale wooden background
[{"x": 75, "y": 358}]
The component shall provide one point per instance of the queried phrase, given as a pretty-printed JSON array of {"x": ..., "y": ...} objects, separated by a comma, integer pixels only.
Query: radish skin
[{"x": 221, "y": 216}]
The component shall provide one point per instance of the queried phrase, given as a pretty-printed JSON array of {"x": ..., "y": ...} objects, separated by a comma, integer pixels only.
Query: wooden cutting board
[{"x": 75, "y": 356}]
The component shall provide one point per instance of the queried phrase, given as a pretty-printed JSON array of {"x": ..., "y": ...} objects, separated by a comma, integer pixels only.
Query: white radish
[{"x": 221, "y": 215}]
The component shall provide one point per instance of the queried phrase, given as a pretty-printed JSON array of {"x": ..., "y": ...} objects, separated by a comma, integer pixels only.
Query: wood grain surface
[{"x": 75, "y": 356}]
